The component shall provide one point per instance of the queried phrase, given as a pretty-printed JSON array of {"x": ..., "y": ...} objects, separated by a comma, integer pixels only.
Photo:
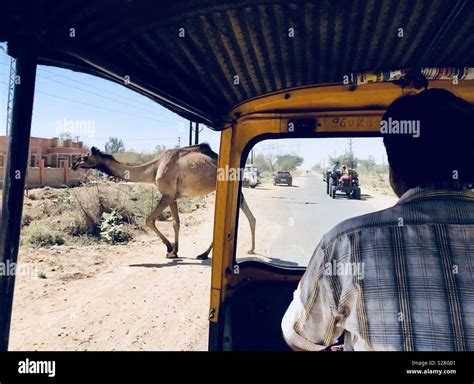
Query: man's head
[{"x": 440, "y": 147}]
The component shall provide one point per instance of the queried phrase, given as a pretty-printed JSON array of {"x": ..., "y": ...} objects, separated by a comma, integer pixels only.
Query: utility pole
[
  {"x": 11, "y": 86},
  {"x": 190, "y": 132},
  {"x": 351, "y": 154},
  {"x": 179, "y": 141},
  {"x": 197, "y": 131},
  {"x": 196, "y": 134}
]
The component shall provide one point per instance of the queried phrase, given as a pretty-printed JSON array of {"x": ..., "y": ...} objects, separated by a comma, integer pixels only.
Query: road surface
[{"x": 292, "y": 220}]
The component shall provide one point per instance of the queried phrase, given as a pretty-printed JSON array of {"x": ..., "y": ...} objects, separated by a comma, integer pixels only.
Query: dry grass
[
  {"x": 74, "y": 215},
  {"x": 377, "y": 182}
]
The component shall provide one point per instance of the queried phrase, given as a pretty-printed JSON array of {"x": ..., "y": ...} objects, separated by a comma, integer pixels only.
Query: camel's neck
[{"x": 136, "y": 173}]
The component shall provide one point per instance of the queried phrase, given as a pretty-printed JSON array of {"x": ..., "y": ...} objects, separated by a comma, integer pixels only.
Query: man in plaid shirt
[{"x": 401, "y": 279}]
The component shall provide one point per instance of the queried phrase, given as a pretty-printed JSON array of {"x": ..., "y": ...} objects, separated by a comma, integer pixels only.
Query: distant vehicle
[
  {"x": 346, "y": 183},
  {"x": 282, "y": 177},
  {"x": 251, "y": 176}
]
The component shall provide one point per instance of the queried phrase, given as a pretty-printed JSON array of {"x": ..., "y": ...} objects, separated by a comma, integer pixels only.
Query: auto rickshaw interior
[
  {"x": 254, "y": 70},
  {"x": 290, "y": 222}
]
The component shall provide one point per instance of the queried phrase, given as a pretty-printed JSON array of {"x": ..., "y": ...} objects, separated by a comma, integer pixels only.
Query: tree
[
  {"x": 159, "y": 149},
  {"x": 347, "y": 159},
  {"x": 262, "y": 163},
  {"x": 65, "y": 135},
  {"x": 288, "y": 162},
  {"x": 114, "y": 145},
  {"x": 271, "y": 160},
  {"x": 368, "y": 164}
]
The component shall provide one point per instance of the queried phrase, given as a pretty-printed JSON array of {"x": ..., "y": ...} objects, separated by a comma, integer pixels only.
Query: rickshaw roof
[{"x": 202, "y": 58}]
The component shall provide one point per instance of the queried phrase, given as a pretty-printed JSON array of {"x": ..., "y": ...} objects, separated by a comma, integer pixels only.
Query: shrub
[
  {"x": 111, "y": 228},
  {"x": 76, "y": 215},
  {"x": 41, "y": 235},
  {"x": 63, "y": 198}
]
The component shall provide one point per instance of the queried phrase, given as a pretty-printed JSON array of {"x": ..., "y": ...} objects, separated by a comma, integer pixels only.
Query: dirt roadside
[{"x": 121, "y": 297}]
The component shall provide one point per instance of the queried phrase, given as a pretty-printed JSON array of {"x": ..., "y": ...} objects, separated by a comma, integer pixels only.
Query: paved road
[{"x": 292, "y": 220}]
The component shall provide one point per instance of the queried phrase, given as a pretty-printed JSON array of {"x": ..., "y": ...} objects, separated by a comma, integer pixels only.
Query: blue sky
[{"x": 95, "y": 109}]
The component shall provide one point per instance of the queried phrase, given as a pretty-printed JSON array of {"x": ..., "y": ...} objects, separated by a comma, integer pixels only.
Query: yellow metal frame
[{"x": 337, "y": 109}]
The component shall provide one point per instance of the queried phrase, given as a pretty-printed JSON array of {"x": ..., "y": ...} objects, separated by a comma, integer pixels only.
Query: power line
[
  {"x": 97, "y": 94},
  {"x": 96, "y": 106},
  {"x": 88, "y": 85},
  {"x": 100, "y": 107},
  {"x": 88, "y": 91}
]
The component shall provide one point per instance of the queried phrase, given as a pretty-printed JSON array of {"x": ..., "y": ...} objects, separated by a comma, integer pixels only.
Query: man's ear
[
  {"x": 94, "y": 151},
  {"x": 397, "y": 184}
]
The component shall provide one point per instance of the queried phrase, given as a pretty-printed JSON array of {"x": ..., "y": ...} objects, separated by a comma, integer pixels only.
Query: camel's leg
[
  {"x": 250, "y": 217},
  {"x": 175, "y": 214},
  {"x": 205, "y": 254},
  {"x": 150, "y": 221}
]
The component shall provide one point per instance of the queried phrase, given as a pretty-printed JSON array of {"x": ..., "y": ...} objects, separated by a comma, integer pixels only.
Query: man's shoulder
[
  {"x": 384, "y": 218},
  {"x": 415, "y": 208}
]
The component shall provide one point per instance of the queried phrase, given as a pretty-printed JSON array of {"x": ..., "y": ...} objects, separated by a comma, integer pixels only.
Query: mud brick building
[
  {"x": 53, "y": 151},
  {"x": 49, "y": 161}
]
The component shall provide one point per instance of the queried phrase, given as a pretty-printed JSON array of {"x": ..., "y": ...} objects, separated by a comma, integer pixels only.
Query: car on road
[
  {"x": 282, "y": 177},
  {"x": 251, "y": 176}
]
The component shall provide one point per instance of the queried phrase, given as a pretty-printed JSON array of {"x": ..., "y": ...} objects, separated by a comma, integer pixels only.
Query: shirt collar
[{"x": 418, "y": 193}]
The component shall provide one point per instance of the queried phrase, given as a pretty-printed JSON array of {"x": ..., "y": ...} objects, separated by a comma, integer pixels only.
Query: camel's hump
[{"x": 203, "y": 148}]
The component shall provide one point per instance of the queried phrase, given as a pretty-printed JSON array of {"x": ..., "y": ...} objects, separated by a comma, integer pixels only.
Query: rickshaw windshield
[{"x": 308, "y": 186}]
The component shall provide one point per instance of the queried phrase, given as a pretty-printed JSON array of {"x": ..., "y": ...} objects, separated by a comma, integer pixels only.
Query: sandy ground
[
  {"x": 129, "y": 297},
  {"x": 122, "y": 297}
]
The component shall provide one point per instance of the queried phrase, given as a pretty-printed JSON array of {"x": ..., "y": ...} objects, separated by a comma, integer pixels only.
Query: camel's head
[{"x": 89, "y": 160}]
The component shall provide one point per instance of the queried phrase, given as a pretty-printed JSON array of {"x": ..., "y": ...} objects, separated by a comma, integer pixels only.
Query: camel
[{"x": 179, "y": 172}]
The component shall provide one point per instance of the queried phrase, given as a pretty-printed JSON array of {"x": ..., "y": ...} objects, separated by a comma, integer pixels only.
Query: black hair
[{"x": 443, "y": 152}]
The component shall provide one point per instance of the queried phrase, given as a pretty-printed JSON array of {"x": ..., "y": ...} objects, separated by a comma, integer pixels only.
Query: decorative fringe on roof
[{"x": 447, "y": 73}]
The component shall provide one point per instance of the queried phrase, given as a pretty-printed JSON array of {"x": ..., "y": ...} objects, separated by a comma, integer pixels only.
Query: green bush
[{"x": 111, "y": 228}]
